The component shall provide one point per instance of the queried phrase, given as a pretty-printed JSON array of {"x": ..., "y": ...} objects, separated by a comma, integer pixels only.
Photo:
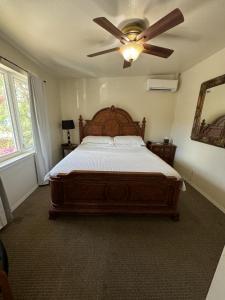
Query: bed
[{"x": 109, "y": 179}]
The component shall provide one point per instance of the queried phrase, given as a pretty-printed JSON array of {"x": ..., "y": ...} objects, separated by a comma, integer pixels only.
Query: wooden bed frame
[{"x": 93, "y": 192}]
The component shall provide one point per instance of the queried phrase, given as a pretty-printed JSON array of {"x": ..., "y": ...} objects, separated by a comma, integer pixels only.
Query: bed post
[
  {"x": 57, "y": 196},
  {"x": 143, "y": 128},
  {"x": 81, "y": 128}
]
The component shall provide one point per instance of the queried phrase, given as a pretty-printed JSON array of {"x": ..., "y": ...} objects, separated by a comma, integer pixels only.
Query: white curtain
[{"x": 40, "y": 127}]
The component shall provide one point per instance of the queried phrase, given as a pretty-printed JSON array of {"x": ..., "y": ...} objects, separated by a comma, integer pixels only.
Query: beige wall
[
  {"x": 87, "y": 96},
  {"x": 201, "y": 164}
]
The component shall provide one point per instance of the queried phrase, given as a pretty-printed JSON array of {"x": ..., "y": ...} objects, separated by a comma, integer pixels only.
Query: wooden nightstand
[
  {"x": 67, "y": 148},
  {"x": 164, "y": 151}
]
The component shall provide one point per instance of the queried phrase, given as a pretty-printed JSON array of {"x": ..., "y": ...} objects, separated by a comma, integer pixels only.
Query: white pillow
[
  {"x": 97, "y": 140},
  {"x": 131, "y": 140}
]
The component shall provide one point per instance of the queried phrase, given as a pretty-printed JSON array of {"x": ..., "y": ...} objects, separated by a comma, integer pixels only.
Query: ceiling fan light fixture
[
  {"x": 134, "y": 36},
  {"x": 131, "y": 51}
]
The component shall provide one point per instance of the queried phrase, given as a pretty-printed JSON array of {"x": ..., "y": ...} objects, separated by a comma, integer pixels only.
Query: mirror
[{"x": 209, "y": 121}]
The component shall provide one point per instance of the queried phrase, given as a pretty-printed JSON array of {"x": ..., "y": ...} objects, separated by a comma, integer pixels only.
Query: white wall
[
  {"x": 20, "y": 178},
  {"x": 87, "y": 96},
  {"x": 201, "y": 164}
]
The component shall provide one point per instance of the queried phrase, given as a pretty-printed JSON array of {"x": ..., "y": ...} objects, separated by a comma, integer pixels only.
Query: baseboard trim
[
  {"x": 20, "y": 201},
  {"x": 207, "y": 196}
]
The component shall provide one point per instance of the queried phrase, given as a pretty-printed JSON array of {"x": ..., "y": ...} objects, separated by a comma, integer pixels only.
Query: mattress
[{"x": 116, "y": 158}]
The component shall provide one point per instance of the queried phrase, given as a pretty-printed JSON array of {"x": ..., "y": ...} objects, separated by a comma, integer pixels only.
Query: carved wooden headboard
[{"x": 111, "y": 121}]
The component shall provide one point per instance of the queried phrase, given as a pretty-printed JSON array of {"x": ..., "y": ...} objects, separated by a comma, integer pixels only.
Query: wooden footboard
[{"x": 88, "y": 192}]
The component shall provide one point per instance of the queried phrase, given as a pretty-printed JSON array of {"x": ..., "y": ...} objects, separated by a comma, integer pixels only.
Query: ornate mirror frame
[{"x": 214, "y": 133}]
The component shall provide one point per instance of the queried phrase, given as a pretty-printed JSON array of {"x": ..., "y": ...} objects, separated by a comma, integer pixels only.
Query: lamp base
[{"x": 68, "y": 137}]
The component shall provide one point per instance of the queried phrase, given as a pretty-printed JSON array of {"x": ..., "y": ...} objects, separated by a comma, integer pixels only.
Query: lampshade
[
  {"x": 68, "y": 124},
  {"x": 131, "y": 51}
]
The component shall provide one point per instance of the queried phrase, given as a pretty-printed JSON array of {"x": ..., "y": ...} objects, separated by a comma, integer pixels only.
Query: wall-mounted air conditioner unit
[{"x": 164, "y": 85}]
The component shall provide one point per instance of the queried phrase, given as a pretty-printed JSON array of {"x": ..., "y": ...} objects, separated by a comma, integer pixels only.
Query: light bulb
[{"x": 131, "y": 51}]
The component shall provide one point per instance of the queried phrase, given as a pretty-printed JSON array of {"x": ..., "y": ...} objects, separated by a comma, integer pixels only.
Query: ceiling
[{"x": 59, "y": 34}]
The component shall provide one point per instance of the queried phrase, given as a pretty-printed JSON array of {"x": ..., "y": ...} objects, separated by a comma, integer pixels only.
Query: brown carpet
[{"x": 114, "y": 257}]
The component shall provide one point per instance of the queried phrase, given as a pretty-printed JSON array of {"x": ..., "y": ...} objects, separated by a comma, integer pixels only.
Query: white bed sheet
[{"x": 102, "y": 157}]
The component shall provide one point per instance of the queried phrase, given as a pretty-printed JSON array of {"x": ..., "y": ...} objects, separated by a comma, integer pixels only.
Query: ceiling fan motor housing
[{"x": 133, "y": 28}]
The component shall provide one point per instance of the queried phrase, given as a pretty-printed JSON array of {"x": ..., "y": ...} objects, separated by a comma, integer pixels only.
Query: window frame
[{"x": 10, "y": 93}]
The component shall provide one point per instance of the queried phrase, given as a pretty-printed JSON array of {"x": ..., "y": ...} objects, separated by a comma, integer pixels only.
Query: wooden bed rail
[{"x": 88, "y": 192}]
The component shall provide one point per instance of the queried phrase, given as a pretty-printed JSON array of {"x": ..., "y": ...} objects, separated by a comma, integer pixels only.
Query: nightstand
[
  {"x": 67, "y": 148},
  {"x": 164, "y": 151}
]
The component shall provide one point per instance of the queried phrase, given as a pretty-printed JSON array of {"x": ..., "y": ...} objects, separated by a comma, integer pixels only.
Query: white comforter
[{"x": 103, "y": 157}]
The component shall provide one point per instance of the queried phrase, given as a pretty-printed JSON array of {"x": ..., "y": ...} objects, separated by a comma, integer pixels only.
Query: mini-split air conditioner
[{"x": 163, "y": 85}]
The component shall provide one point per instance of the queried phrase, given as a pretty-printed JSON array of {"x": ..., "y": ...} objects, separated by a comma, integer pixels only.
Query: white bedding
[{"x": 103, "y": 157}]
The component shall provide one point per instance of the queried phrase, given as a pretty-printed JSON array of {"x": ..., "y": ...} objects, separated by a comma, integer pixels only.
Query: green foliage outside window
[
  {"x": 7, "y": 141},
  {"x": 21, "y": 125},
  {"x": 22, "y": 96}
]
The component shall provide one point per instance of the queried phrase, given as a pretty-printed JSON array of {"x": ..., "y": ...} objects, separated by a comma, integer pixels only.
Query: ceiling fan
[{"x": 134, "y": 37}]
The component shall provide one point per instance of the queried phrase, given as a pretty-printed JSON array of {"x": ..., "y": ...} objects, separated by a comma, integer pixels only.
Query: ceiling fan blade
[
  {"x": 107, "y": 25},
  {"x": 126, "y": 64},
  {"x": 103, "y": 52},
  {"x": 157, "y": 51},
  {"x": 174, "y": 18}
]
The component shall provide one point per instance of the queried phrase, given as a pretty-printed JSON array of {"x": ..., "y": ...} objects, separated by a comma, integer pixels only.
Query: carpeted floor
[{"x": 114, "y": 257}]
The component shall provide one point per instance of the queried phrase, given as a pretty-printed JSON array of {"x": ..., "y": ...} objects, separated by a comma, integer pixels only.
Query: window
[{"x": 15, "y": 118}]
